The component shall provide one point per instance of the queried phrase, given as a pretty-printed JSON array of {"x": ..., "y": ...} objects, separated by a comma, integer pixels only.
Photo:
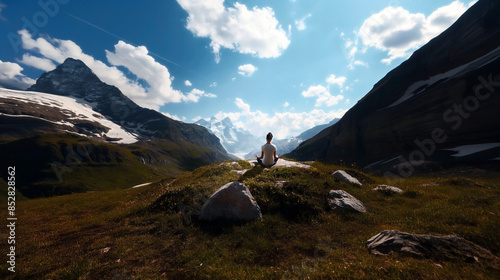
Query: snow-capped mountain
[
  {"x": 58, "y": 114},
  {"x": 69, "y": 130},
  {"x": 74, "y": 79},
  {"x": 243, "y": 144},
  {"x": 235, "y": 140}
]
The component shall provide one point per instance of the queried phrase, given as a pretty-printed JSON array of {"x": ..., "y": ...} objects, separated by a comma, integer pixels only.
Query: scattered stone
[
  {"x": 280, "y": 183},
  {"x": 388, "y": 189},
  {"x": 233, "y": 202},
  {"x": 343, "y": 200},
  {"x": 344, "y": 177},
  {"x": 431, "y": 184},
  {"x": 447, "y": 247},
  {"x": 104, "y": 250},
  {"x": 240, "y": 172},
  {"x": 231, "y": 164}
]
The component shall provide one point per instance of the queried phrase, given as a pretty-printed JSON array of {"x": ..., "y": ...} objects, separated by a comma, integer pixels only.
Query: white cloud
[
  {"x": 323, "y": 96},
  {"x": 174, "y": 117},
  {"x": 334, "y": 80},
  {"x": 301, "y": 23},
  {"x": 38, "y": 62},
  {"x": 195, "y": 95},
  {"x": 214, "y": 84},
  {"x": 11, "y": 76},
  {"x": 286, "y": 104},
  {"x": 399, "y": 32},
  {"x": 138, "y": 61},
  {"x": 245, "y": 108},
  {"x": 247, "y": 70},
  {"x": 151, "y": 87},
  {"x": 2, "y": 6},
  {"x": 188, "y": 83},
  {"x": 237, "y": 28},
  {"x": 351, "y": 49},
  {"x": 285, "y": 124}
]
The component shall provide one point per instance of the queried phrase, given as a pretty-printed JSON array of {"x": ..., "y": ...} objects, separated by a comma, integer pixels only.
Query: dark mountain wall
[{"x": 444, "y": 96}]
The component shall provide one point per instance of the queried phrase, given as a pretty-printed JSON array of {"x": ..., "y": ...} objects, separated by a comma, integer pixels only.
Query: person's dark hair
[{"x": 269, "y": 136}]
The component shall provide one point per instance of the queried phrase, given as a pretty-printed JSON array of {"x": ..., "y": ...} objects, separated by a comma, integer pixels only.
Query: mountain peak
[
  {"x": 74, "y": 66},
  {"x": 72, "y": 78}
]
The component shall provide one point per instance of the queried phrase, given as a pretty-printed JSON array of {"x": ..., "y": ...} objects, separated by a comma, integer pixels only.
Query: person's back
[
  {"x": 269, "y": 151},
  {"x": 268, "y": 156}
]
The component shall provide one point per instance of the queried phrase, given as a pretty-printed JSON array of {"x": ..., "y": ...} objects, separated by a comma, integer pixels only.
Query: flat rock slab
[
  {"x": 343, "y": 200},
  {"x": 345, "y": 177},
  {"x": 240, "y": 172},
  {"x": 447, "y": 247},
  {"x": 232, "y": 202},
  {"x": 284, "y": 163}
]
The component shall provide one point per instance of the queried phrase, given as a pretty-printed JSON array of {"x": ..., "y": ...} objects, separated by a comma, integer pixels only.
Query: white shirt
[{"x": 268, "y": 150}]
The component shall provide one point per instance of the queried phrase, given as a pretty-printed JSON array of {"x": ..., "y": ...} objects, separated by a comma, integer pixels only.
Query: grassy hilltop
[{"x": 152, "y": 232}]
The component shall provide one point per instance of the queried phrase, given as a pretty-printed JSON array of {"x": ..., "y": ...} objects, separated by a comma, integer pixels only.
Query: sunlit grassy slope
[
  {"x": 153, "y": 233},
  {"x": 59, "y": 164}
]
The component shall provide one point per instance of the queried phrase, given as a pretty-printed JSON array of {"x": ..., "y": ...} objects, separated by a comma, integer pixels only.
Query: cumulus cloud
[
  {"x": 188, "y": 83},
  {"x": 398, "y": 32},
  {"x": 247, "y": 70},
  {"x": 322, "y": 93},
  {"x": 150, "y": 87},
  {"x": 11, "y": 76},
  {"x": 350, "y": 51},
  {"x": 323, "y": 96},
  {"x": 38, "y": 62},
  {"x": 282, "y": 124},
  {"x": 195, "y": 95},
  {"x": 334, "y": 80},
  {"x": 301, "y": 23},
  {"x": 256, "y": 31}
]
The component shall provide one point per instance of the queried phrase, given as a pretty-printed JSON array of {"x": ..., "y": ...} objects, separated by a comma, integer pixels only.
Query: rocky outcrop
[
  {"x": 345, "y": 177},
  {"x": 339, "y": 199},
  {"x": 424, "y": 112},
  {"x": 448, "y": 247},
  {"x": 232, "y": 202}
]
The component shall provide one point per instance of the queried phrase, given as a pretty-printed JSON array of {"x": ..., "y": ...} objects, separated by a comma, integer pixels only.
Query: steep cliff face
[{"x": 439, "y": 106}]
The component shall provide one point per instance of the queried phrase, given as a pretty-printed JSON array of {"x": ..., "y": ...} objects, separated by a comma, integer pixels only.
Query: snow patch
[
  {"x": 472, "y": 149},
  {"x": 76, "y": 109},
  {"x": 421, "y": 86}
]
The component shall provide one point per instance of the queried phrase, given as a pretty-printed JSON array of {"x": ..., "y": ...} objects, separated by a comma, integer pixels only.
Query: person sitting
[{"x": 268, "y": 156}]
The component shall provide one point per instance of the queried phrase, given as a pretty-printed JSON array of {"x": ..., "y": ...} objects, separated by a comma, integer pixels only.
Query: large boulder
[
  {"x": 232, "y": 202},
  {"x": 345, "y": 177},
  {"x": 448, "y": 247},
  {"x": 343, "y": 200}
]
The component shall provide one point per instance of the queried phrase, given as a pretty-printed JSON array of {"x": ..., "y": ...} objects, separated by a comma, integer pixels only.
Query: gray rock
[
  {"x": 231, "y": 164},
  {"x": 447, "y": 247},
  {"x": 344, "y": 177},
  {"x": 343, "y": 200},
  {"x": 281, "y": 183},
  {"x": 240, "y": 172},
  {"x": 233, "y": 202},
  {"x": 388, "y": 189}
]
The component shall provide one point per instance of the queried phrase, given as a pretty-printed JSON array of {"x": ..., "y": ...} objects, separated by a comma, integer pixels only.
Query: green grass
[{"x": 153, "y": 232}]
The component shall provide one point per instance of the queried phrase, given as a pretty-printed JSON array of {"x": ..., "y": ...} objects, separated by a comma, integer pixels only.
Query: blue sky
[{"x": 282, "y": 66}]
